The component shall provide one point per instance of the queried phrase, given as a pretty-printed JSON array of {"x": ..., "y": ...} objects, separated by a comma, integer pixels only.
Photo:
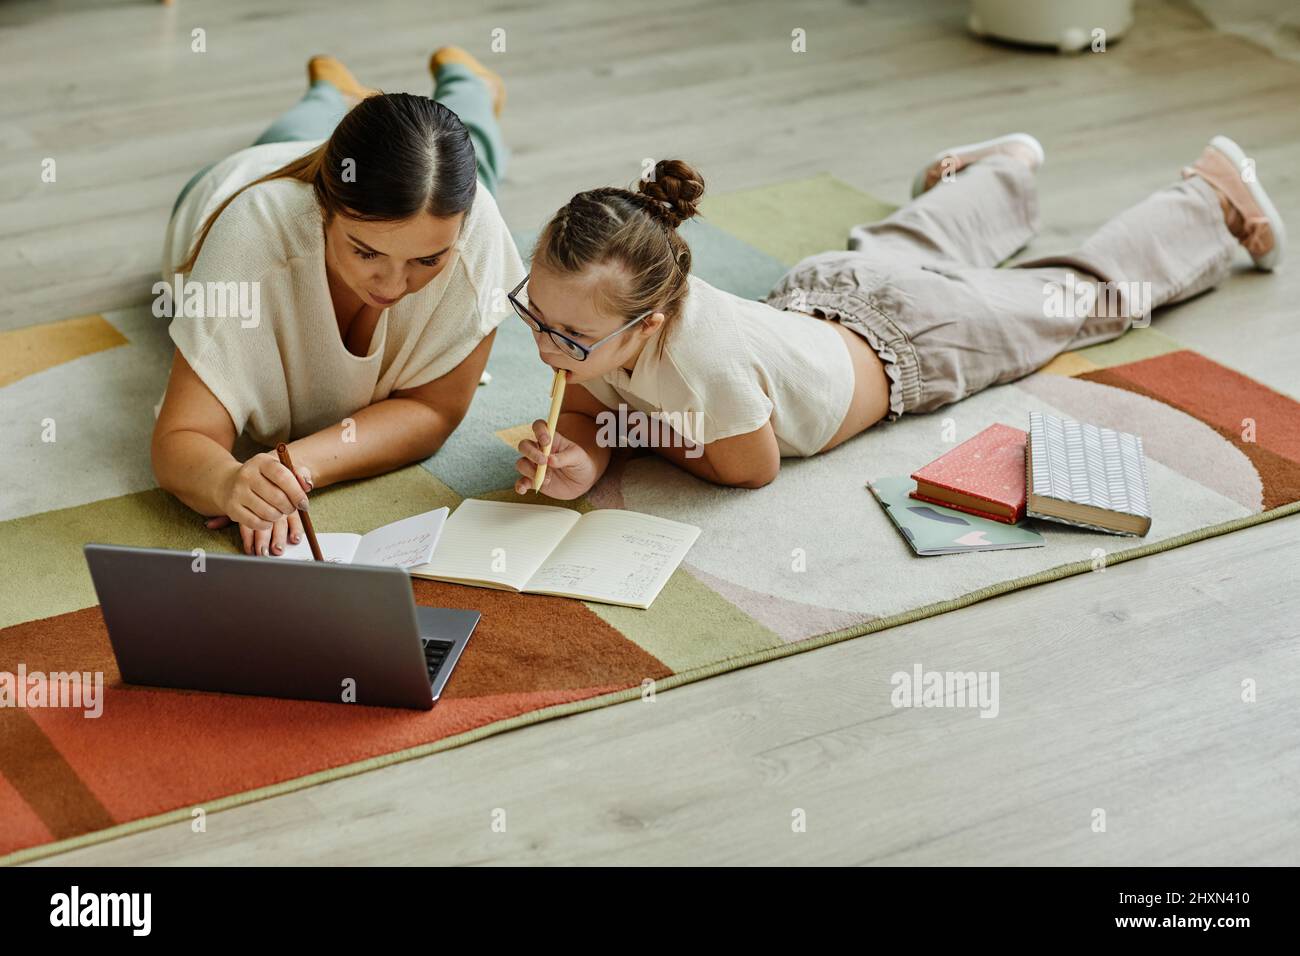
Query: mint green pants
[{"x": 455, "y": 87}]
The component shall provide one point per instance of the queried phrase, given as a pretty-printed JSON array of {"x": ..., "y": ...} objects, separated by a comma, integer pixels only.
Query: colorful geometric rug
[{"x": 808, "y": 560}]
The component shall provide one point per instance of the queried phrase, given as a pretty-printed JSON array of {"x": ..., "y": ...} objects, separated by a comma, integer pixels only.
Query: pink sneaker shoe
[
  {"x": 959, "y": 157},
  {"x": 1252, "y": 218}
]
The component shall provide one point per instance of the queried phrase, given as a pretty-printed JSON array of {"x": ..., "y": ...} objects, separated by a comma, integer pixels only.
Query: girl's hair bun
[{"x": 674, "y": 191}]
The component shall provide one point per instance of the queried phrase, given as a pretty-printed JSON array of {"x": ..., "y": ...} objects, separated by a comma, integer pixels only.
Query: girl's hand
[
  {"x": 570, "y": 472},
  {"x": 264, "y": 497}
]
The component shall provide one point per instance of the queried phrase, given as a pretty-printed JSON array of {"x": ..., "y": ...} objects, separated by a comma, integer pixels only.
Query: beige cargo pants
[{"x": 924, "y": 288}]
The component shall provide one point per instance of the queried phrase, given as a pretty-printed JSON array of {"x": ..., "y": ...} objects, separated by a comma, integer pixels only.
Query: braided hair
[{"x": 635, "y": 230}]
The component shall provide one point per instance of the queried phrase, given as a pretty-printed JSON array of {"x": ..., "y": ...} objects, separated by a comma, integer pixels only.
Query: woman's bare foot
[
  {"x": 454, "y": 54},
  {"x": 1248, "y": 212},
  {"x": 332, "y": 71},
  {"x": 1019, "y": 146}
]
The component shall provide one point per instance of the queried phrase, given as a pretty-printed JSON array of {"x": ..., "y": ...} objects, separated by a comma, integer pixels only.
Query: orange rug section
[
  {"x": 156, "y": 750},
  {"x": 1261, "y": 423}
]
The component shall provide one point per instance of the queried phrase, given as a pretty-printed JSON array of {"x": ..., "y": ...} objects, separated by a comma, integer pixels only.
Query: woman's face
[
  {"x": 571, "y": 304},
  {"x": 384, "y": 261}
]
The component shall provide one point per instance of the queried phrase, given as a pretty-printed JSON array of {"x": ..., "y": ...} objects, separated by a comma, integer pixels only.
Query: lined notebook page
[
  {"x": 497, "y": 541},
  {"x": 618, "y": 557}
]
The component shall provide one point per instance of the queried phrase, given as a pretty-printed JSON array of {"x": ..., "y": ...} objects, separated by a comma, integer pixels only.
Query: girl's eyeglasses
[{"x": 575, "y": 350}]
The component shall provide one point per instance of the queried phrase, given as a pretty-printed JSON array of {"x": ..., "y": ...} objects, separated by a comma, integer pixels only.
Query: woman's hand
[
  {"x": 570, "y": 470},
  {"x": 264, "y": 498},
  {"x": 284, "y": 532}
]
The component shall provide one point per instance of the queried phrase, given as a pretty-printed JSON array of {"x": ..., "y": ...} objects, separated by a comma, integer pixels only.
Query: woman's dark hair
[{"x": 392, "y": 156}]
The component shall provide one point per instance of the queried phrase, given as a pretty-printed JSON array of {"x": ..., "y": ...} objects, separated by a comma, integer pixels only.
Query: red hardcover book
[{"x": 984, "y": 476}]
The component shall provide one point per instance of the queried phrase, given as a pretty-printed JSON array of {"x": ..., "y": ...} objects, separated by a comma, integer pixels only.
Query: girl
[
  {"x": 914, "y": 316},
  {"x": 372, "y": 259}
]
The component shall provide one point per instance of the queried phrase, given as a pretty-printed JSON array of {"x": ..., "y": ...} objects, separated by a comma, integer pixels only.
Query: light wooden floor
[{"x": 1119, "y": 690}]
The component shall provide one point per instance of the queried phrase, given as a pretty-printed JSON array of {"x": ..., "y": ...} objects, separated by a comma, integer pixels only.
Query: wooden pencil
[
  {"x": 557, "y": 399},
  {"x": 283, "y": 451}
]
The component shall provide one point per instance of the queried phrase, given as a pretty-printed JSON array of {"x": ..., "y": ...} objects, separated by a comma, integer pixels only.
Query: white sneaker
[{"x": 965, "y": 155}]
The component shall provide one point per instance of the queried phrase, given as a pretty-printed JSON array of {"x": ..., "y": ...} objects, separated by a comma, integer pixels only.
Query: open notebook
[
  {"x": 401, "y": 544},
  {"x": 607, "y": 556}
]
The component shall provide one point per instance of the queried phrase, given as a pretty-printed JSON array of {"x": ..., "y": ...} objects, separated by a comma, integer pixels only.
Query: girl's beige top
[{"x": 731, "y": 364}]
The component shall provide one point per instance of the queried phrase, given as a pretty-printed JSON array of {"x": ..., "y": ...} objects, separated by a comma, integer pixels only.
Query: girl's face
[
  {"x": 384, "y": 261},
  {"x": 571, "y": 304}
]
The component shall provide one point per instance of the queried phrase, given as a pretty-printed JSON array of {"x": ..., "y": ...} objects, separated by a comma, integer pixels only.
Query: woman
[
  {"x": 919, "y": 315},
  {"x": 373, "y": 259}
]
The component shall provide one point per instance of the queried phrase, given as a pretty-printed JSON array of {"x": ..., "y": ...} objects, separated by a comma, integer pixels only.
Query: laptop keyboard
[{"x": 435, "y": 655}]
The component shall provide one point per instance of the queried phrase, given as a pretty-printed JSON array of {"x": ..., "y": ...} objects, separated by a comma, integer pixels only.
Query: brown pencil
[{"x": 283, "y": 451}]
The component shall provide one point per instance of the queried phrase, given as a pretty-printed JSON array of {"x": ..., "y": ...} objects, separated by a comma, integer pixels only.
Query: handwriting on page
[
  {"x": 637, "y": 563},
  {"x": 653, "y": 553},
  {"x": 403, "y": 552},
  {"x": 562, "y": 576}
]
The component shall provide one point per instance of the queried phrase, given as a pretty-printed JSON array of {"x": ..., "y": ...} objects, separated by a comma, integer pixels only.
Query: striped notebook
[{"x": 1088, "y": 476}]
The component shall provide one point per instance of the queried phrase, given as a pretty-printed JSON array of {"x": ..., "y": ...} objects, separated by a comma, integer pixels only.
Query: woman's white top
[
  {"x": 281, "y": 369},
  {"x": 729, "y": 365}
]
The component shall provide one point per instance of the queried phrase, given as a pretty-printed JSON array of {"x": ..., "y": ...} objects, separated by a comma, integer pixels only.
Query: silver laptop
[{"x": 300, "y": 629}]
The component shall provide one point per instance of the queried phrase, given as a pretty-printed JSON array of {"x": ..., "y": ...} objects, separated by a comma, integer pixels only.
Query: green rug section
[
  {"x": 794, "y": 220},
  {"x": 691, "y": 625},
  {"x": 44, "y": 573}
]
